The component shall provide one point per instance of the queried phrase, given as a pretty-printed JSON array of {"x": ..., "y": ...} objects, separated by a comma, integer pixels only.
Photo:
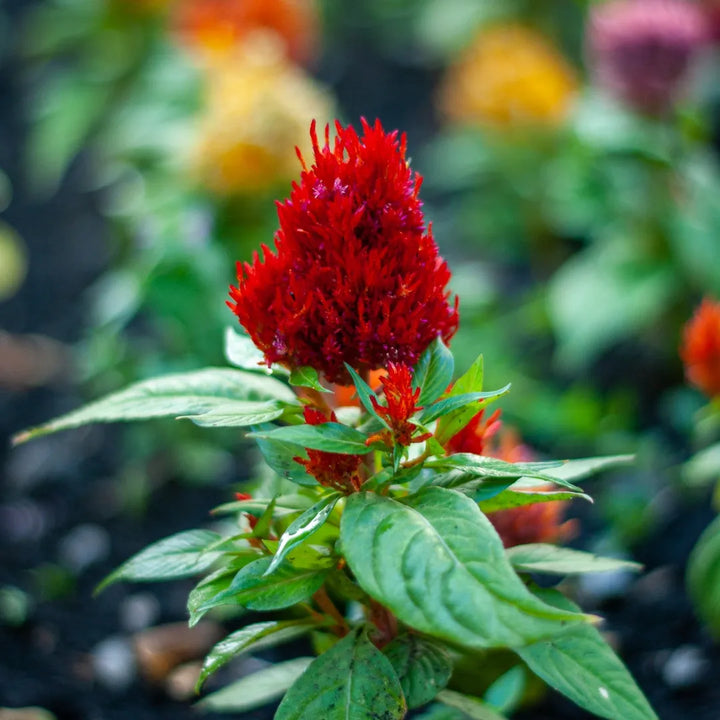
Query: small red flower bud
[
  {"x": 335, "y": 470},
  {"x": 700, "y": 350},
  {"x": 356, "y": 277}
]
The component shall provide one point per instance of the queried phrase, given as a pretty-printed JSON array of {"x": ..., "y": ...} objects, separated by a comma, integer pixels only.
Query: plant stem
[{"x": 328, "y": 606}]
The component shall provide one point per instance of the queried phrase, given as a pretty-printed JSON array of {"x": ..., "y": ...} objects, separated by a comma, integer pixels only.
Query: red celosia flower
[
  {"x": 356, "y": 278},
  {"x": 401, "y": 405},
  {"x": 219, "y": 25},
  {"x": 334, "y": 470},
  {"x": 641, "y": 50},
  {"x": 539, "y": 522},
  {"x": 700, "y": 350}
]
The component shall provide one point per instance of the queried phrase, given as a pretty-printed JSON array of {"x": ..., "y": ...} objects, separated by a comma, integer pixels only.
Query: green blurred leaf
[
  {"x": 423, "y": 667},
  {"x": 471, "y": 707},
  {"x": 506, "y": 693},
  {"x": 510, "y": 498},
  {"x": 582, "y": 666},
  {"x": 433, "y": 372},
  {"x": 177, "y": 556},
  {"x": 351, "y": 681},
  {"x": 241, "y": 352},
  {"x": 257, "y": 636},
  {"x": 213, "y": 396},
  {"x": 545, "y": 558},
  {"x": 257, "y": 689},
  {"x": 703, "y": 577},
  {"x": 477, "y": 600},
  {"x": 330, "y": 437}
]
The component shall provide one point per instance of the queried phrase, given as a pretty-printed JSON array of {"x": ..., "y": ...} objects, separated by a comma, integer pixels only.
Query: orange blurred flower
[
  {"x": 509, "y": 76},
  {"x": 217, "y": 26},
  {"x": 258, "y": 109},
  {"x": 700, "y": 350}
]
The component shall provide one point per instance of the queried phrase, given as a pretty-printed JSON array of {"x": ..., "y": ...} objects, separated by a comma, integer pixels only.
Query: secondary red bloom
[
  {"x": 220, "y": 25},
  {"x": 642, "y": 50},
  {"x": 356, "y": 276},
  {"x": 335, "y": 470},
  {"x": 536, "y": 523},
  {"x": 700, "y": 349},
  {"x": 401, "y": 405}
]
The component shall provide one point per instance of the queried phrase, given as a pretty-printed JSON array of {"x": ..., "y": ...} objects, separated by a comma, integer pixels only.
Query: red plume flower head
[
  {"x": 356, "y": 277},
  {"x": 700, "y": 349},
  {"x": 642, "y": 50},
  {"x": 401, "y": 405},
  {"x": 335, "y": 470}
]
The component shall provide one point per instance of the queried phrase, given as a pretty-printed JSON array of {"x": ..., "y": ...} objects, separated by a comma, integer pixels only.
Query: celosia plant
[
  {"x": 380, "y": 546},
  {"x": 642, "y": 51}
]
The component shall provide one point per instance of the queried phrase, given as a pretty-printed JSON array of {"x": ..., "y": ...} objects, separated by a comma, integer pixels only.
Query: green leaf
[
  {"x": 213, "y": 584},
  {"x": 330, "y": 437},
  {"x": 510, "y": 498},
  {"x": 423, "y": 667},
  {"x": 252, "y": 637},
  {"x": 213, "y": 396},
  {"x": 585, "y": 467},
  {"x": 433, "y": 372},
  {"x": 302, "y": 528},
  {"x": 470, "y": 382},
  {"x": 582, "y": 666},
  {"x": 703, "y": 577},
  {"x": 470, "y": 467},
  {"x": 255, "y": 590},
  {"x": 365, "y": 394},
  {"x": 241, "y": 352},
  {"x": 506, "y": 693},
  {"x": 177, "y": 556},
  {"x": 257, "y": 689},
  {"x": 475, "y": 598},
  {"x": 284, "y": 505},
  {"x": 307, "y": 377},
  {"x": 280, "y": 456},
  {"x": 472, "y": 707},
  {"x": 554, "y": 560},
  {"x": 459, "y": 402},
  {"x": 351, "y": 681}
]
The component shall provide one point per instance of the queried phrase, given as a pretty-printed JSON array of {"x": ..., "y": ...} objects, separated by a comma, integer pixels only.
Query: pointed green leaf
[
  {"x": 470, "y": 382},
  {"x": 471, "y": 707},
  {"x": 330, "y": 437},
  {"x": 459, "y": 402},
  {"x": 703, "y": 577},
  {"x": 302, "y": 528},
  {"x": 585, "y": 467},
  {"x": 177, "y": 556},
  {"x": 475, "y": 598},
  {"x": 254, "y": 590},
  {"x": 554, "y": 560},
  {"x": 251, "y": 637},
  {"x": 351, "y": 681},
  {"x": 307, "y": 377},
  {"x": 365, "y": 394},
  {"x": 214, "y": 396},
  {"x": 511, "y": 498},
  {"x": 581, "y": 665},
  {"x": 506, "y": 693},
  {"x": 280, "y": 456},
  {"x": 423, "y": 667},
  {"x": 466, "y": 467},
  {"x": 257, "y": 689},
  {"x": 433, "y": 372},
  {"x": 241, "y": 352},
  {"x": 213, "y": 584}
]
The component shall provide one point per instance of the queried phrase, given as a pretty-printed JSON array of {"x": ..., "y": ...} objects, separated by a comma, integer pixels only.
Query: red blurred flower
[
  {"x": 335, "y": 470},
  {"x": 536, "y": 523},
  {"x": 401, "y": 405},
  {"x": 220, "y": 25},
  {"x": 641, "y": 50},
  {"x": 356, "y": 276},
  {"x": 700, "y": 350}
]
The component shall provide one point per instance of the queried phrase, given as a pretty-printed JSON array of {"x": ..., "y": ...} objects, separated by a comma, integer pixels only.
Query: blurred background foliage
[{"x": 570, "y": 156}]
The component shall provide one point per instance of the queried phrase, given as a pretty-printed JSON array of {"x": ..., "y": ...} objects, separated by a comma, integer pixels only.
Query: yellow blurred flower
[
  {"x": 510, "y": 76},
  {"x": 258, "y": 109}
]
